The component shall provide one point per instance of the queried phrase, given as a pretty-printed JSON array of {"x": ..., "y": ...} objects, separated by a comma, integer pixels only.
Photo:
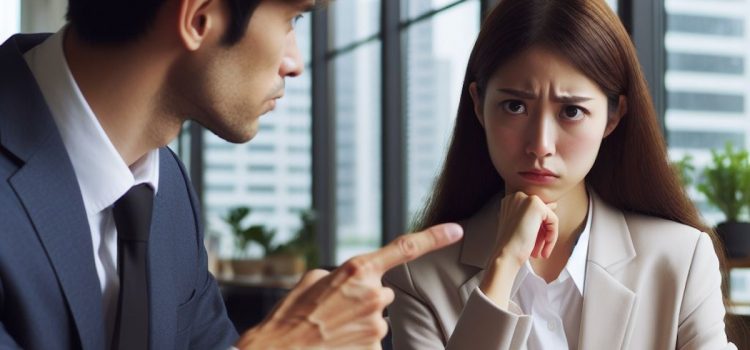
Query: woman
[{"x": 577, "y": 232}]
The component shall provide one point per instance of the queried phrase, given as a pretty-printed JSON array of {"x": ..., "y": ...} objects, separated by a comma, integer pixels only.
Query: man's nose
[{"x": 291, "y": 63}]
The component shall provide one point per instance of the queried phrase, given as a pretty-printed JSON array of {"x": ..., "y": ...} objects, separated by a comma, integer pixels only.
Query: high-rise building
[
  {"x": 707, "y": 49},
  {"x": 271, "y": 174},
  {"x": 436, "y": 52},
  {"x": 428, "y": 106},
  {"x": 356, "y": 75}
]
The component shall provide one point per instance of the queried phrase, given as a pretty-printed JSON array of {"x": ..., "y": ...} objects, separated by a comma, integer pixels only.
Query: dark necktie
[{"x": 132, "y": 213}]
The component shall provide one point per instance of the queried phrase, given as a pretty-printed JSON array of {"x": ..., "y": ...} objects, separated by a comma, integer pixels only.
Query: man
[{"x": 100, "y": 243}]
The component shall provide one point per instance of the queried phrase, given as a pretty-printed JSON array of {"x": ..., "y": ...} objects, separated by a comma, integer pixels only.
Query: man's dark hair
[{"x": 120, "y": 21}]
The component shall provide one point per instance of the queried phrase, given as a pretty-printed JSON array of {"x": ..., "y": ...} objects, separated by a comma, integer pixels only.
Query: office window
[
  {"x": 358, "y": 150},
  {"x": 706, "y": 63},
  {"x": 702, "y": 140},
  {"x": 436, "y": 53},
  {"x": 705, "y": 25},
  {"x": 10, "y": 18},
  {"x": 357, "y": 105},
  {"x": 612, "y": 4},
  {"x": 354, "y": 21},
  {"x": 261, "y": 175},
  {"x": 414, "y": 9},
  {"x": 706, "y": 101},
  {"x": 706, "y": 82}
]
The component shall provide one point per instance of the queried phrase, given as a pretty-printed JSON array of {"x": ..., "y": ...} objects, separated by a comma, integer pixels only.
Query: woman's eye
[
  {"x": 572, "y": 113},
  {"x": 514, "y": 107}
]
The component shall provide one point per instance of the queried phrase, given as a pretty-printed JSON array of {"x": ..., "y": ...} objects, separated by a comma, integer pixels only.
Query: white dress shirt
[
  {"x": 102, "y": 174},
  {"x": 555, "y": 308}
]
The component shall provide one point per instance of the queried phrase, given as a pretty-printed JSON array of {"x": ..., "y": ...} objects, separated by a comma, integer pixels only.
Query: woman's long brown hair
[{"x": 631, "y": 171}]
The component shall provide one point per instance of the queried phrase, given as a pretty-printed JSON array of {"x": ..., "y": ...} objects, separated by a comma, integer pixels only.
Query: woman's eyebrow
[
  {"x": 571, "y": 99},
  {"x": 527, "y": 95},
  {"x": 519, "y": 93}
]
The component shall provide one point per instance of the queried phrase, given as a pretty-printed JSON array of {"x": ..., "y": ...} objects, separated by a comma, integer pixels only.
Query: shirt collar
[
  {"x": 576, "y": 266},
  {"x": 102, "y": 174}
]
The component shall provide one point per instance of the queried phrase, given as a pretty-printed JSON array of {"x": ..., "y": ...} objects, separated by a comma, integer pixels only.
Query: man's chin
[{"x": 237, "y": 136}]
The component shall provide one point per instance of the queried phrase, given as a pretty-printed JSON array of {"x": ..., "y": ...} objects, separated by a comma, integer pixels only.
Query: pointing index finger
[{"x": 411, "y": 246}]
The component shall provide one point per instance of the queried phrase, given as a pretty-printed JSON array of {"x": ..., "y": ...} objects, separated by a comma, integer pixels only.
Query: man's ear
[
  {"x": 622, "y": 108},
  {"x": 477, "y": 101},
  {"x": 196, "y": 20}
]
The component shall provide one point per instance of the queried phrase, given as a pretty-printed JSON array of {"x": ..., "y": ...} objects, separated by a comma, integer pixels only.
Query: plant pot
[
  {"x": 247, "y": 267},
  {"x": 284, "y": 265},
  {"x": 736, "y": 238}
]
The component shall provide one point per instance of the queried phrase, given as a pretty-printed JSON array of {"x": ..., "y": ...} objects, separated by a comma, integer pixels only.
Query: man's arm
[
  {"x": 344, "y": 308},
  {"x": 6, "y": 341}
]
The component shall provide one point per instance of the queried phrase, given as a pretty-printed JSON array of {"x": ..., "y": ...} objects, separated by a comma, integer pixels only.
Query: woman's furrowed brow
[{"x": 528, "y": 95}]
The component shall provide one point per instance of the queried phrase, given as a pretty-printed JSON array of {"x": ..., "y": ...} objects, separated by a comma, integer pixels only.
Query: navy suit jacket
[{"x": 50, "y": 297}]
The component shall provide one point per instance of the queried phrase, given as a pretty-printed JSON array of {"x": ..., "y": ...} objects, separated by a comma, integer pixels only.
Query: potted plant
[
  {"x": 297, "y": 255},
  {"x": 684, "y": 168},
  {"x": 726, "y": 185},
  {"x": 242, "y": 265}
]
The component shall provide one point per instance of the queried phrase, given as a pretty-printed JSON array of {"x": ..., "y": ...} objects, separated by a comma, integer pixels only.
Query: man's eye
[
  {"x": 514, "y": 107},
  {"x": 297, "y": 18}
]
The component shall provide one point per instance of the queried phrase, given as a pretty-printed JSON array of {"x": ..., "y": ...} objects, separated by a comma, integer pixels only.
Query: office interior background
[{"x": 361, "y": 135}]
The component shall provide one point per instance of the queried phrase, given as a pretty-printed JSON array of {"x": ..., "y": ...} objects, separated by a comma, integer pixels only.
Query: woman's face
[{"x": 544, "y": 121}]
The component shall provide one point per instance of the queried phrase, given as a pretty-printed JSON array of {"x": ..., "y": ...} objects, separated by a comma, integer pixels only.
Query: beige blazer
[{"x": 650, "y": 284}]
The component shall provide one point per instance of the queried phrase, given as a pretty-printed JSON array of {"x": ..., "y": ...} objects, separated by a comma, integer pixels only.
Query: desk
[{"x": 249, "y": 300}]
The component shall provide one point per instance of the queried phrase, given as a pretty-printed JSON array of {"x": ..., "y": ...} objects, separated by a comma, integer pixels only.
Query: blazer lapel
[
  {"x": 607, "y": 303},
  {"x": 479, "y": 241},
  {"x": 47, "y": 187},
  {"x": 162, "y": 293}
]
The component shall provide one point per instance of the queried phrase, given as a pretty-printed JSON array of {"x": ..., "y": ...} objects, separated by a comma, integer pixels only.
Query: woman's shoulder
[
  {"x": 651, "y": 227},
  {"x": 442, "y": 265},
  {"x": 660, "y": 238}
]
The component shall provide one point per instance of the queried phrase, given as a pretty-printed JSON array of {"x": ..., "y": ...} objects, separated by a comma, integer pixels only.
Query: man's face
[{"x": 230, "y": 87}]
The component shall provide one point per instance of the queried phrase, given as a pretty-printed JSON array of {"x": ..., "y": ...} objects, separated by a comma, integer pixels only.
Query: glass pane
[
  {"x": 613, "y": 4},
  {"x": 358, "y": 169},
  {"x": 354, "y": 20},
  {"x": 437, "y": 51},
  {"x": 412, "y": 9},
  {"x": 706, "y": 80},
  {"x": 10, "y": 18},
  {"x": 272, "y": 173},
  {"x": 181, "y": 145}
]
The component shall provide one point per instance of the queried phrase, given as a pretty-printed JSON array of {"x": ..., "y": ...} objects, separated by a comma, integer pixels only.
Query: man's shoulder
[{"x": 24, "y": 42}]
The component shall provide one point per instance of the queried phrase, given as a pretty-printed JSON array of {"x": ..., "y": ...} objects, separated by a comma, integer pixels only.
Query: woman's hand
[{"x": 527, "y": 227}]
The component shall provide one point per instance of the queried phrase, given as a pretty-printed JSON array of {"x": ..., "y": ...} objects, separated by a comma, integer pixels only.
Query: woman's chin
[{"x": 547, "y": 195}]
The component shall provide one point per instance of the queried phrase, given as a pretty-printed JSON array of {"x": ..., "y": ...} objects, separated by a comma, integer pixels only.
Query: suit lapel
[
  {"x": 607, "y": 303},
  {"x": 47, "y": 188},
  {"x": 49, "y": 192},
  {"x": 479, "y": 241},
  {"x": 162, "y": 294}
]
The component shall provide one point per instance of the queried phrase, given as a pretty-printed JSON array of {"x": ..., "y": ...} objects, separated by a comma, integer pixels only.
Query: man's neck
[{"x": 123, "y": 85}]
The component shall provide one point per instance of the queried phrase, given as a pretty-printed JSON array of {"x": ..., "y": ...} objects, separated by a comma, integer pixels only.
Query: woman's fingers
[{"x": 550, "y": 227}]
